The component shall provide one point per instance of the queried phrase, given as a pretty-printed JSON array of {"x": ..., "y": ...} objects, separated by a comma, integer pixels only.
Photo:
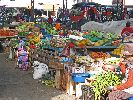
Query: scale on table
[{"x": 128, "y": 38}]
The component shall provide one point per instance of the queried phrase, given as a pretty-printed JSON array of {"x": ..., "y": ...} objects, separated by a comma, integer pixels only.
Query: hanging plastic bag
[{"x": 66, "y": 51}]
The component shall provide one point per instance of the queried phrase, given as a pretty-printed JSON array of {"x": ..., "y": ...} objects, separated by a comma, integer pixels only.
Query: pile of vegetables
[
  {"x": 95, "y": 55},
  {"x": 24, "y": 27},
  {"x": 48, "y": 80},
  {"x": 29, "y": 33},
  {"x": 7, "y": 32},
  {"x": 102, "y": 39},
  {"x": 112, "y": 61},
  {"x": 103, "y": 81},
  {"x": 84, "y": 59},
  {"x": 48, "y": 29},
  {"x": 118, "y": 51},
  {"x": 50, "y": 83},
  {"x": 57, "y": 42}
]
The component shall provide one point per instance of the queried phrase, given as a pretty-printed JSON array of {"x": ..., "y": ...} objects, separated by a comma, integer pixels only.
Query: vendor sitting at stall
[
  {"x": 127, "y": 29},
  {"x": 124, "y": 90}
]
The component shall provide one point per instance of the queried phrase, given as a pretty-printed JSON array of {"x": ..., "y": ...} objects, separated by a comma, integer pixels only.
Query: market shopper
[
  {"x": 58, "y": 26},
  {"x": 1, "y": 47},
  {"x": 50, "y": 20},
  {"x": 124, "y": 90}
]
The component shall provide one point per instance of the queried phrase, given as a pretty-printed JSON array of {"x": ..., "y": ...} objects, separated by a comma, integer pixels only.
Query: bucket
[{"x": 80, "y": 77}]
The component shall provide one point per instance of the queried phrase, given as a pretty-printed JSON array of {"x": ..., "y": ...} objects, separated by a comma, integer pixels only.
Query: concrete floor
[{"x": 19, "y": 85}]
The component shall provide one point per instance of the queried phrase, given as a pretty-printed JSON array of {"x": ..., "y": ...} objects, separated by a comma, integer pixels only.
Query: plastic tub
[
  {"x": 80, "y": 77},
  {"x": 65, "y": 59}
]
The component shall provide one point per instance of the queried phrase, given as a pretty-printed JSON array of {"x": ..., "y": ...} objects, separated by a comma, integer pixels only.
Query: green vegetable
[
  {"x": 48, "y": 82},
  {"x": 103, "y": 81}
]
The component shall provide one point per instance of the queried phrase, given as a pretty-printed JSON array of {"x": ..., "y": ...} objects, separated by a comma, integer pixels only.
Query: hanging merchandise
[
  {"x": 66, "y": 51},
  {"x": 22, "y": 56}
]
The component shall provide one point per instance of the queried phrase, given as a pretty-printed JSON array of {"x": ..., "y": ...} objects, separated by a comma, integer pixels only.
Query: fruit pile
[
  {"x": 7, "y": 32},
  {"x": 118, "y": 51},
  {"x": 95, "y": 55}
]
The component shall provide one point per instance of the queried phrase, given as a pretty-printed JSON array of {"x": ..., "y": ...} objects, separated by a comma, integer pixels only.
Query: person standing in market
[
  {"x": 1, "y": 47},
  {"x": 125, "y": 90},
  {"x": 50, "y": 20},
  {"x": 58, "y": 25}
]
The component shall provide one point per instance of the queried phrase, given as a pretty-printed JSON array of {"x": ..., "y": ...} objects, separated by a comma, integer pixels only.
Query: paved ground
[{"x": 19, "y": 85}]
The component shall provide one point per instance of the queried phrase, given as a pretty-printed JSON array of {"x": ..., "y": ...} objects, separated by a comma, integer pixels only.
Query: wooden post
[
  {"x": 10, "y": 53},
  {"x": 32, "y": 10},
  {"x": 69, "y": 89},
  {"x": 57, "y": 79}
]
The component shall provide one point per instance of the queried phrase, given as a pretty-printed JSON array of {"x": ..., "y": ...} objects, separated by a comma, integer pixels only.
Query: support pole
[
  {"x": 66, "y": 4},
  {"x": 63, "y": 10},
  {"x": 32, "y": 11}
]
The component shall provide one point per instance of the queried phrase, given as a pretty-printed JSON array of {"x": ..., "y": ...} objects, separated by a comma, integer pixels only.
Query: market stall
[{"x": 70, "y": 60}]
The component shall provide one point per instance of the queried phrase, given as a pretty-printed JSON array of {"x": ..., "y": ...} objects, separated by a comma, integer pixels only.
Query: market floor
[{"x": 19, "y": 85}]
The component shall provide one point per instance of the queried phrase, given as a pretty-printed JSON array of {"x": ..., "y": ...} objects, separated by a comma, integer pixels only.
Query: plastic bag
[{"x": 40, "y": 70}]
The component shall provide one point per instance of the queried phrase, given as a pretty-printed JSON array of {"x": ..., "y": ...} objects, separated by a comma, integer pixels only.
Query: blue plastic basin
[
  {"x": 65, "y": 59},
  {"x": 80, "y": 77}
]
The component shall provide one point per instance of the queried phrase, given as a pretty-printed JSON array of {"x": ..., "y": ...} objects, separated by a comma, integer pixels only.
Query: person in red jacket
[
  {"x": 124, "y": 90},
  {"x": 50, "y": 20},
  {"x": 128, "y": 29}
]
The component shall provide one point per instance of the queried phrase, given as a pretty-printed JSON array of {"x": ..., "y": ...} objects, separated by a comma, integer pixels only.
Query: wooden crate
[{"x": 56, "y": 65}]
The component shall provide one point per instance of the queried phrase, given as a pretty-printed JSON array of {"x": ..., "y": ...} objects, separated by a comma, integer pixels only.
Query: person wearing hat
[
  {"x": 124, "y": 90},
  {"x": 127, "y": 29}
]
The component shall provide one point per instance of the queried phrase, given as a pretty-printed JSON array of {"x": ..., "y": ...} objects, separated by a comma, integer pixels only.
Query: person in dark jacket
[{"x": 1, "y": 47}]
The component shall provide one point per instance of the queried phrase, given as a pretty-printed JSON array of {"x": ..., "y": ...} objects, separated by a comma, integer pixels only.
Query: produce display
[
  {"x": 103, "y": 81},
  {"x": 4, "y": 32},
  {"x": 112, "y": 61},
  {"x": 52, "y": 30},
  {"x": 101, "y": 39},
  {"x": 24, "y": 27},
  {"x": 42, "y": 36},
  {"x": 57, "y": 42},
  {"x": 95, "y": 55},
  {"x": 84, "y": 59},
  {"x": 118, "y": 51}
]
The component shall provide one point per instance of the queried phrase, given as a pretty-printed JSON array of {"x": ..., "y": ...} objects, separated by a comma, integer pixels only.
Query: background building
[{"x": 48, "y": 4}]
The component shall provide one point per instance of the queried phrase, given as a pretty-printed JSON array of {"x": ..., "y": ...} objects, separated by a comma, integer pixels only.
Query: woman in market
[
  {"x": 127, "y": 29},
  {"x": 125, "y": 90}
]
